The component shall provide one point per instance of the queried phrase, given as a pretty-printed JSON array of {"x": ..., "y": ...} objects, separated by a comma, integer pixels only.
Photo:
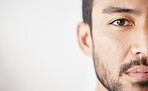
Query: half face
[{"x": 120, "y": 43}]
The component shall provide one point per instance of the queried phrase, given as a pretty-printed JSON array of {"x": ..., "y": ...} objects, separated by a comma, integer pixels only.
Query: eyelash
[{"x": 123, "y": 20}]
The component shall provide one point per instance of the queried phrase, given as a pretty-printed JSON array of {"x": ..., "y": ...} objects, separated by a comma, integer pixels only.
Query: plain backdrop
[{"x": 39, "y": 49}]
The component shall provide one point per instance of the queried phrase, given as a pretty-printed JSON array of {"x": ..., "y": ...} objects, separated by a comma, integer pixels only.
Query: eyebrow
[{"x": 114, "y": 9}]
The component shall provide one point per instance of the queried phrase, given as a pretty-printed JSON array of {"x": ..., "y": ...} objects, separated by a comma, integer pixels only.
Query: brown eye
[{"x": 121, "y": 22}]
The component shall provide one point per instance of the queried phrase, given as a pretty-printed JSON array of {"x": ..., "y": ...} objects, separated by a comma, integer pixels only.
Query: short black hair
[{"x": 86, "y": 9}]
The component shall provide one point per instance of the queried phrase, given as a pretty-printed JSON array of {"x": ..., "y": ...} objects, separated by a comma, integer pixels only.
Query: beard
[
  {"x": 104, "y": 76},
  {"x": 111, "y": 83}
]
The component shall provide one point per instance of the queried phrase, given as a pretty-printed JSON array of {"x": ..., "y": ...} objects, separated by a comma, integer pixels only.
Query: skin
[{"x": 114, "y": 43}]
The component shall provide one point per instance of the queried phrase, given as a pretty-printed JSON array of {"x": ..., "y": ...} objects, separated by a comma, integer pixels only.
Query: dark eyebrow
[{"x": 113, "y": 9}]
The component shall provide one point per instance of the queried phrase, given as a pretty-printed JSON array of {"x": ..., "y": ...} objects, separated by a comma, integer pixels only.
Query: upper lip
[{"x": 138, "y": 69}]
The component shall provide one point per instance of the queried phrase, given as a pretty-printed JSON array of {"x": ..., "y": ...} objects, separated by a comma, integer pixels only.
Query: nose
[
  {"x": 140, "y": 43},
  {"x": 139, "y": 51}
]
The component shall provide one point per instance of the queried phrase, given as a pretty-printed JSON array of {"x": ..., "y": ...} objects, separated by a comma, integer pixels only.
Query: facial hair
[
  {"x": 104, "y": 76},
  {"x": 114, "y": 84},
  {"x": 136, "y": 62}
]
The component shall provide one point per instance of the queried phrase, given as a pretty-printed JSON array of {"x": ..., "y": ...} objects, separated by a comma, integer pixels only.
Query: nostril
[
  {"x": 138, "y": 53},
  {"x": 141, "y": 54}
]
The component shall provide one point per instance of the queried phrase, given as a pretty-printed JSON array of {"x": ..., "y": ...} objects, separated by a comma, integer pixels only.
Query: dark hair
[{"x": 86, "y": 9}]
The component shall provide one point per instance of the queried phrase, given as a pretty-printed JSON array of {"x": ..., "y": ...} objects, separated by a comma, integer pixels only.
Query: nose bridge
[{"x": 140, "y": 45}]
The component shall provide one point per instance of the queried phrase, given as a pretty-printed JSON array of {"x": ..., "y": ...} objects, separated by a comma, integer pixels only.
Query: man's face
[{"x": 120, "y": 43}]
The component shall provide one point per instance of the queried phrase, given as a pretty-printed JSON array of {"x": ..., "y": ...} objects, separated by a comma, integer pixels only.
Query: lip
[{"x": 138, "y": 72}]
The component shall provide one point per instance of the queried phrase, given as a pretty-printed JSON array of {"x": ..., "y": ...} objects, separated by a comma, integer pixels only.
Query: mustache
[{"x": 136, "y": 62}]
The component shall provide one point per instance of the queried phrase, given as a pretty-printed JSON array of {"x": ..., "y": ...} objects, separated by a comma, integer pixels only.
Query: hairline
[{"x": 87, "y": 12}]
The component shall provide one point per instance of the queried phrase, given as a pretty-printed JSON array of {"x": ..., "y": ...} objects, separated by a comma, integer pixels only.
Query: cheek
[{"x": 111, "y": 51}]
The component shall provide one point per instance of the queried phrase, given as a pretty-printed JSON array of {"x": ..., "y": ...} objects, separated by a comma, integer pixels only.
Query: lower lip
[{"x": 138, "y": 75}]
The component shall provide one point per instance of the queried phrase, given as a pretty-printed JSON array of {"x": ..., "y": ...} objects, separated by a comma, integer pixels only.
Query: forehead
[{"x": 133, "y": 4}]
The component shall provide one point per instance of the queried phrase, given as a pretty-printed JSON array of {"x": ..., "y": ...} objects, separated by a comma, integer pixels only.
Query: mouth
[{"x": 138, "y": 73}]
